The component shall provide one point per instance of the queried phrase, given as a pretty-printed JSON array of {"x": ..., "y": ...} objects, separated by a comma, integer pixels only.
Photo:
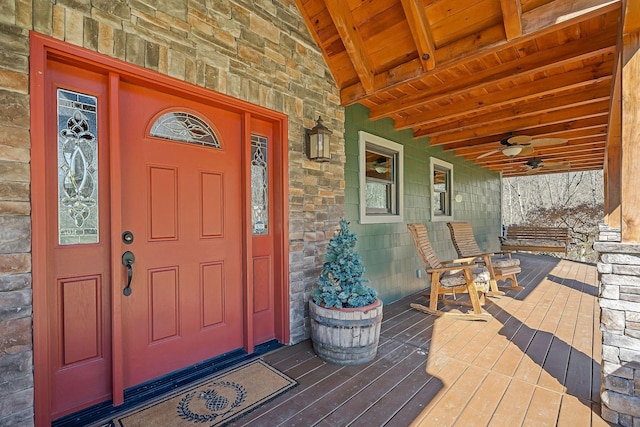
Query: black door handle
[{"x": 127, "y": 260}]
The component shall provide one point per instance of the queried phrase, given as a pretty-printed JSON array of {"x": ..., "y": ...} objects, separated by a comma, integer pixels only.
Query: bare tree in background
[{"x": 573, "y": 199}]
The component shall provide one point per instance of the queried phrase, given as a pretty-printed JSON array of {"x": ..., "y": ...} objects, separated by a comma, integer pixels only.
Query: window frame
[
  {"x": 434, "y": 165},
  {"x": 370, "y": 142}
]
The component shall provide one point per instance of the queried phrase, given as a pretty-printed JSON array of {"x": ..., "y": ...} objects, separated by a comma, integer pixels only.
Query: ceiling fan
[
  {"x": 380, "y": 165},
  {"x": 536, "y": 164},
  {"x": 520, "y": 145}
]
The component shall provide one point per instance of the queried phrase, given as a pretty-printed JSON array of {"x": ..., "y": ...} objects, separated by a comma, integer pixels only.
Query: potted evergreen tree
[{"x": 345, "y": 311}]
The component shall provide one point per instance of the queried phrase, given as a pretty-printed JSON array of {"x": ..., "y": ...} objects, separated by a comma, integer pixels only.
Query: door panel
[
  {"x": 78, "y": 279},
  {"x": 81, "y": 325},
  {"x": 163, "y": 203},
  {"x": 212, "y": 207},
  {"x": 262, "y": 241},
  {"x": 182, "y": 201}
]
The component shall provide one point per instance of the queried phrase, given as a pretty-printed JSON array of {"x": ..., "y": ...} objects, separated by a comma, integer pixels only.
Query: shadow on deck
[{"x": 536, "y": 362}]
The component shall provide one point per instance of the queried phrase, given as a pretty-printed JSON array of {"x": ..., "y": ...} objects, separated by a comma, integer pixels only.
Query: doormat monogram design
[{"x": 221, "y": 399}]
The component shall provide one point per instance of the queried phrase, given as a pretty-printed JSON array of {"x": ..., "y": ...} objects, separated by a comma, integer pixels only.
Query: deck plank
[
  {"x": 370, "y": 394},
  {"x": 454, "y": 399},
  {"x": 574, "y": 412},
  {"x": 429, "y": 397},
  {"x": 483, "y": 403},
  {"x": 543, "y": 408},
  {"x": 513, "y": 405}
]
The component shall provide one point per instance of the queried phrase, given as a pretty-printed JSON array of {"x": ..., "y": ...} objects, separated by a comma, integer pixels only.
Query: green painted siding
[{"x": 387, "y": 249}]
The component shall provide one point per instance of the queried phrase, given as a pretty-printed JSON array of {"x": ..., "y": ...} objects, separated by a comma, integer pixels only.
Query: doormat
[{"x": 215, "y": 401}]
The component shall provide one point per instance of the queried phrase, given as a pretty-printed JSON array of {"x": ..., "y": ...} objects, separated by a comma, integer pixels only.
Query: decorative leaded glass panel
[
  {"x": 184, "y": 127},
  {"x": 259, "y": 185},
  {"x": 77, "y": 168}
]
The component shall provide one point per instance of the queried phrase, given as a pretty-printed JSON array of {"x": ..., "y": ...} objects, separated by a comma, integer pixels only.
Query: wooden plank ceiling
[{"x": 470, "y": 73}]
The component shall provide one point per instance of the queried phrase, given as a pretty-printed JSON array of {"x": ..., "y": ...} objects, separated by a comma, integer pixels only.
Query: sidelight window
[
  {"x": 259, "y": 185},
  {"x": 77, "y": 168}
]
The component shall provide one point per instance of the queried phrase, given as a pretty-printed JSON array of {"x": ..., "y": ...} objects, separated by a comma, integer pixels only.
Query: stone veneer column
[{"x": 619, "y": 271}]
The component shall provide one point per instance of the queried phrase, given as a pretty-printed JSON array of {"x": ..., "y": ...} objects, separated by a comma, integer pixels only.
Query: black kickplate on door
[{"x": 144, "y": 392}]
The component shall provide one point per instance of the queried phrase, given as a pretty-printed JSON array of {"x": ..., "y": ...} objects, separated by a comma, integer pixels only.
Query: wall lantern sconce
[{"x": 318, "y": 145}]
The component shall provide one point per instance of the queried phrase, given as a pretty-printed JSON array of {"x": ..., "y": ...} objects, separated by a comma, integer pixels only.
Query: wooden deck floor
[{"x": 537, "y": 363}]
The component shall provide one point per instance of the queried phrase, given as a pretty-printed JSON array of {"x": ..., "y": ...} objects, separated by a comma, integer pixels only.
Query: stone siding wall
[
  {"x": 259, "y": 51},
  {"x": 16, "y": 348},
  {"x": 619, "y": 270}
]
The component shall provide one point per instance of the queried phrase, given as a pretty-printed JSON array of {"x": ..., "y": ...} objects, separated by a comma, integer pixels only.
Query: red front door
[
  {"x": 105, "y": 182},
  {"x": 182, "y": 204}
]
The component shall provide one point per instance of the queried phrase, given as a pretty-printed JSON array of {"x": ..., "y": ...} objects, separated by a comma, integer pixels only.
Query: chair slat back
[
  {"x": 423, "y": 245},
  {"x": 463, "y": 239}
]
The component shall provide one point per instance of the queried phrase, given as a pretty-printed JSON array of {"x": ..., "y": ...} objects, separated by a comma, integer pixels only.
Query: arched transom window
[{"x": 184, "y": 127}]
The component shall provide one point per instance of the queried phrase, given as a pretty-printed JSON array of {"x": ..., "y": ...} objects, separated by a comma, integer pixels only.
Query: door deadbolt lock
[{"x": 127, "y": 237}]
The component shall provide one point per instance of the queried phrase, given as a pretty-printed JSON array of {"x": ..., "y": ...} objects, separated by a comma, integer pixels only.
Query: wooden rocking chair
[
  {"x": 463, "y": 277},
  {"x": 499, "y": 268}
]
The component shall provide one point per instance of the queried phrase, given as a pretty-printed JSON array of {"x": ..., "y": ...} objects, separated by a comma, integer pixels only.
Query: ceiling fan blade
[
  {"x": 527, "y": 149},
  {"x": 519, "y": 139},
  {"x": 555, "y": 165},
  {"x": 547, "y": 142},
  {"x": 488, "y": 153}
]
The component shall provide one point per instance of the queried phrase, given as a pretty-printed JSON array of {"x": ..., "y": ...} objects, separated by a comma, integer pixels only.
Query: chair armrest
[
  {"x": 452, "y": 268},
  {"x": 466, "y": 260}
]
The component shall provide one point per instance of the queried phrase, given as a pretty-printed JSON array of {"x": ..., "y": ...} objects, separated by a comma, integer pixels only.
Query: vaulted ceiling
[{"x": 470, "y": 73}]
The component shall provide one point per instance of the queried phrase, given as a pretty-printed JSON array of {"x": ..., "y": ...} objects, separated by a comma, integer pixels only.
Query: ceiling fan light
[{"x": 511, "y": 151}]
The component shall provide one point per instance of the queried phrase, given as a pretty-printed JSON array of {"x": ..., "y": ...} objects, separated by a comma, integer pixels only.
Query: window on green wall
[
  {"x": 380, "y": 170},
  {"x": 441, "y": 190}
]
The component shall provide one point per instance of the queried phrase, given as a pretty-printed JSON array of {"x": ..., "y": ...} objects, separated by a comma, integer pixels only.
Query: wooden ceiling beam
[
  {"x": 421, "y": 32},
  {"x": 556, "y": 12},
  {"x": 592, "y": 141},
  {"x": 594, "y": 151},
  {"x": 353, "y": 43},
  {"x": 599, "y": 92},
  {"x": 554, "y": 130},
  {"x": 580, "y": 168},
  {"x": 458, "y": 53},
  {"x": 523, "y": 170},
  {"x": 631, "y": 15},
  {"x": 560, "y": 116},
  {"x": 584, "y": 159},
  {"x": 575, "y": 138},
  {"x": 534, "y": 90},
  {"x": 571, "y": 163},
  {"x": 512, "y": 18},
  {"x": 539, "y": 62}
]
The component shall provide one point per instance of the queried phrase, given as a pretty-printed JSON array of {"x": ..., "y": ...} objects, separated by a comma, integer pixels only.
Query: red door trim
[
  {"x": 41, "y": 345},
  {"x": 43, "y": 48},
  {"x": 117, "y": 272},
  {"x": 281, "y": 232},
  {"x": 247, "y": 234}
]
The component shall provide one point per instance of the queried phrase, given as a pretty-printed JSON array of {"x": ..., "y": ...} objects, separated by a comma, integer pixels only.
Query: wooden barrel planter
[{"x": 346, "y": 336}]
